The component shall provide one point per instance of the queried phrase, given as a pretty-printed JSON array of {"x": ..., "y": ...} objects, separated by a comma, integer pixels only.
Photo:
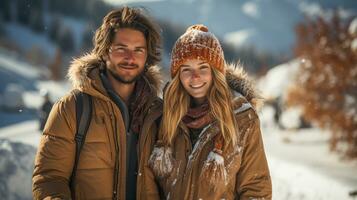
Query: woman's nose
[{"x": 195, "y": 75}]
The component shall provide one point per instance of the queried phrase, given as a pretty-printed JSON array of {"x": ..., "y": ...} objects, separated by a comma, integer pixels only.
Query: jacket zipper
[
  {"x": 203, "y": 139},
  {"x": 116, "y": 165}
]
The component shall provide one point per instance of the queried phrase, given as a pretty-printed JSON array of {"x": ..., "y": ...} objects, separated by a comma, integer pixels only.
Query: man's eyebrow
[
  {"x": 120, "y": 44},
  {"x": 124, "y": 45},
  {"x": 140, "y": 47}
]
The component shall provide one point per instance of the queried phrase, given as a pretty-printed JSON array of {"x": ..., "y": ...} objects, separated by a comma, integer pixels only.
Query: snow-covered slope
[
  {"x": 278, "y": 79},
  {"x": 28, "y": 40},
  {"x": 27, "y": 98},
  {"x": 13, "y": 71}
]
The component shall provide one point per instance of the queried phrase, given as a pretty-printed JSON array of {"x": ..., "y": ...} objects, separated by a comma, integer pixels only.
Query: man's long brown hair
[{"x": 127, "y": 17}]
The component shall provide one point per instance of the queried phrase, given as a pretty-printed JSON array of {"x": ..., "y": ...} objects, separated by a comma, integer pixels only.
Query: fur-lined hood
[
  {"x": 239, "y": 82},
  {"x": 79, "y": 73}
]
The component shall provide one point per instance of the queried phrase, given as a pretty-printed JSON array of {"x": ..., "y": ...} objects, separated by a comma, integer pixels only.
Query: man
[{"x": 123, "y": 81}]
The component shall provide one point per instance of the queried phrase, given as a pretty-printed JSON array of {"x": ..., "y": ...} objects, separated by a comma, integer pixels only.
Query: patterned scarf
[
  {"x": 198, "y": 117},
  {"x": 137, "y": 104}
]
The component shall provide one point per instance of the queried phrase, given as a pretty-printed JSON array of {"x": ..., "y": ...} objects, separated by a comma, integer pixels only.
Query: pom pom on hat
[
  {"x": 199, "y": 27},
  {"x": 197, "y": 43}
]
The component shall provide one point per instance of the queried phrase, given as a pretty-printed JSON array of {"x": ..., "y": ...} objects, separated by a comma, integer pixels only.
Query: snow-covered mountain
[
  {"x": 265, "y": 24},
  {"x": 29, "y": 40}
]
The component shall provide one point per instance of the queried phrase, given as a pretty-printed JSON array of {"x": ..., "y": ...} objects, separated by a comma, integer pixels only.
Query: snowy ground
[
  {"x": 301, "y": 166},
  {"x": 25, "y": 132}
]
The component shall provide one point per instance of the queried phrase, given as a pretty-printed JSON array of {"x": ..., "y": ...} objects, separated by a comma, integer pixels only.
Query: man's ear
[{"x": 105, "y": 57}]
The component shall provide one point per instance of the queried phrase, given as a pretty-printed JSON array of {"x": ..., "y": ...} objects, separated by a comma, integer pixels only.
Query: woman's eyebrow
[
  {"x": 185, "y": 66},
  {"x": 202, "y": 63}
]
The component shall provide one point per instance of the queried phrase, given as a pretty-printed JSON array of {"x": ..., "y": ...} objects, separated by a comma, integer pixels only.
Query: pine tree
[
  {"x": 326, "y": 84},
  {"x": 55, "y": 66},
  {"x": 66, "y": 40},
  {"x": 87, "y": 37},
  {"x": 54, "y": 29}
]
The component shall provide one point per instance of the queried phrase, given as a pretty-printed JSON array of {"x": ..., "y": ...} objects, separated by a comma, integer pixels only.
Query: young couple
[{"x": 202, "y": 141}]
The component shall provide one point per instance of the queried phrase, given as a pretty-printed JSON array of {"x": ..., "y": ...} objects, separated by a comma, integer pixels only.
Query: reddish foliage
[{"x": 326, "y": 84}]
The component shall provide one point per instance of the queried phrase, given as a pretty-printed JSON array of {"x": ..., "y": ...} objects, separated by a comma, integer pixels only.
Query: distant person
[
  {"x": 277, "y": 105},
  {"x": 123, "y": 81},
  {"x": 45, "y": 109},
  {"x": 209, "y": 144}
]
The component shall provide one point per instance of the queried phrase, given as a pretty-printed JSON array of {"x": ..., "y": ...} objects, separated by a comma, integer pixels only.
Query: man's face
[{"x": 127, "y": 55}]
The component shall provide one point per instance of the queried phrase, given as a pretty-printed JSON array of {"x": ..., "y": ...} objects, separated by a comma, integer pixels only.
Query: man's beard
[{"x": 122, "y": 79}]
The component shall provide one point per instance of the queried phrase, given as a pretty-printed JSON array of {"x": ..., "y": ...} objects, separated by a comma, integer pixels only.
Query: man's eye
[{"x": 119, "y": 49}]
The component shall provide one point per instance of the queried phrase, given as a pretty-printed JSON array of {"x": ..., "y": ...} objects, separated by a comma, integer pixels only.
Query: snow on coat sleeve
[
  {"x": 55, "y": 154},
  {"x": 253, "y": 179}
]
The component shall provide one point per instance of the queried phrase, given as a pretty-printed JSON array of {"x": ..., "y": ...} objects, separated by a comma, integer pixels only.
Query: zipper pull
[{"x": 114, "y": 194}]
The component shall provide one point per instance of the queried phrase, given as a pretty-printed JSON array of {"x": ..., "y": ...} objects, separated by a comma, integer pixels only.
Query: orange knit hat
[{"x": 197, "y": 43}]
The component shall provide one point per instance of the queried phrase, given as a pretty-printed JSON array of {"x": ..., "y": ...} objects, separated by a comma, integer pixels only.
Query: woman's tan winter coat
[
  {"x": 105, "y": 139},
  {"x": 240, "y": 172}
]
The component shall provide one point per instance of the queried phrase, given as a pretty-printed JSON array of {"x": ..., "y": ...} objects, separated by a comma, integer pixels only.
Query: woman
[{"x": 209, "y": 144}]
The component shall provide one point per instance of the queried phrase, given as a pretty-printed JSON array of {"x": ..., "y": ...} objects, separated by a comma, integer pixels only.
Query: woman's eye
[
  {"x": 205, "y": 70},
  {"x": 185, "y": 70},
  {"x": 204, "y": 67}
]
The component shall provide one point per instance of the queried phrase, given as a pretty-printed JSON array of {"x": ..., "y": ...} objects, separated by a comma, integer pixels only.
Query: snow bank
[
  {"x": 276, "y": 82},
  {"x": 11, "y": 63},
  {"x": 12, "y": 97},
  {"x": 16, "y": 167},
  {"x": 297, "y": 182}
]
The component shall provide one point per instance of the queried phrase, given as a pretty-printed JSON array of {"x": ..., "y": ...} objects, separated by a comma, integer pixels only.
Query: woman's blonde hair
[{"x": 177, "y": 102}]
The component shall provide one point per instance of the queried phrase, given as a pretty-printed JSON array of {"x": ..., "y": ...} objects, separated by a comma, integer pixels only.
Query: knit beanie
[{"x": 197, "y": 43}]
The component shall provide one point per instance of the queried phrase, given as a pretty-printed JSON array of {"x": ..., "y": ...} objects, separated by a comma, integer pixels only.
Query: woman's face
[{"x": 196, "y": 78}]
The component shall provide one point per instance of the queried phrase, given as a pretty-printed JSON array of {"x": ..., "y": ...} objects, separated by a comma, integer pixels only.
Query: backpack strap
[{"x": 84, "y": 105}]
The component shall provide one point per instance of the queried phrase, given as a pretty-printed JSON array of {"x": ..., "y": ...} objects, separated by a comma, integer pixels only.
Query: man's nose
[{"x": 129, "y": 55}]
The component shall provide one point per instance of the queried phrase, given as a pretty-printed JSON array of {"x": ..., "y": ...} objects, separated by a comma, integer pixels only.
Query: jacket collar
[
  {"x": 242, "y": 87},
  {"x": 84, "y": 75}
]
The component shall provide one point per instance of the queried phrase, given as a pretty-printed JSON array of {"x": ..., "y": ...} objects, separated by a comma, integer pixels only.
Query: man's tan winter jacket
[{"x": 105, "y": 139}]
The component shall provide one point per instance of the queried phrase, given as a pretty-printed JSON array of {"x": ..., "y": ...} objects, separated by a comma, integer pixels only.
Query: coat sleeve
[
  {"x": 253, "y": 179},
  {"x": 55, "y": 155}
]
